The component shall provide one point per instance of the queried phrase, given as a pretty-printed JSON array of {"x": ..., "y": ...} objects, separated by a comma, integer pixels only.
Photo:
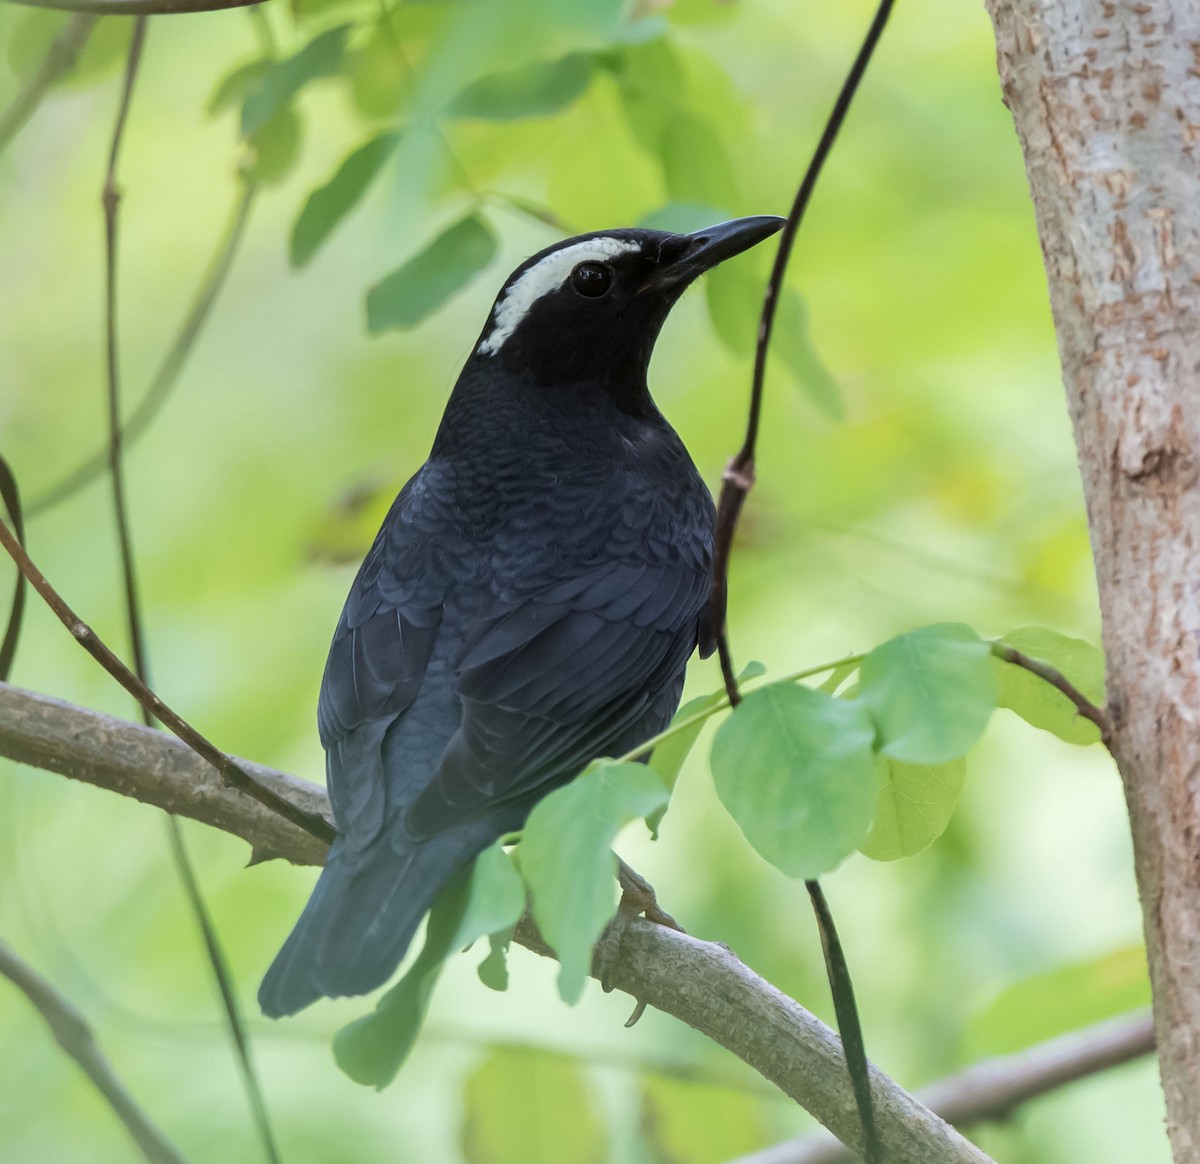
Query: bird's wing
[
  {"x": 580, "y": 669},
  {"x": 377, "y": 660}
]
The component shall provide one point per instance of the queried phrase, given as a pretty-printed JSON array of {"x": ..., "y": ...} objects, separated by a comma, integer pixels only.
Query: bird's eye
[{"x": 591, "y": 279}]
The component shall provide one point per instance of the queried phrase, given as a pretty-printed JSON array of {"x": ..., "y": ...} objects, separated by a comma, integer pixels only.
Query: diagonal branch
[
  {"x": 995, "y": 1088},
  {"x": 231, "y": 772},
  {"x": 702, "y": 983},
  {"x": 75, "y": 1037},
  {"x": 60, "y": 58}
]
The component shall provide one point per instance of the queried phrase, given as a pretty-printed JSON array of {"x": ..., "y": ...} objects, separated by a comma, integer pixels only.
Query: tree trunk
[{"x": 1106, "y": 100}]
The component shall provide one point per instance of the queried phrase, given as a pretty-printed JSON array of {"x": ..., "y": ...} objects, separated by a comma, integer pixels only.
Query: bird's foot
[{"x": 638, "y": 898}]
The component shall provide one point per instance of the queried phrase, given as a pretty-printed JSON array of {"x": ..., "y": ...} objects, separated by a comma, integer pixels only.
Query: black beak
[{"x": 685, "y": 256}]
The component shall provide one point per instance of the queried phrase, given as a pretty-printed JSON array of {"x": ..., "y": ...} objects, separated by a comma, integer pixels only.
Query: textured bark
[
  {"x": 701, "y": 983},
  {"x": 1106, "y": 101}
]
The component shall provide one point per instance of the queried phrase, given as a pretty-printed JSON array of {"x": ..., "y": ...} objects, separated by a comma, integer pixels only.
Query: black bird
[{"x": 529, "y": 604}]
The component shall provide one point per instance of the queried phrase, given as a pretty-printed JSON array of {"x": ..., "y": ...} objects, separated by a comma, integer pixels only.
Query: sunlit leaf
[
  {"x": 533, "y": 90},
  {"x": 1035, "y": 700},
  {"x": 567, "y": 862},
  {"x": 490, "y": 897},
  {"x": 931, "y": 692},
  {"x": 916, "y": 802},
  {"x": 321, "y": 57},
  {"x": 530, "y": 1107},
  {"x": 431, "y": 276},
  {"x": 329, "y": 204},
  {"x": 795, "y": 769},
  {"x": 275, "y": 146},
  {"x": 701, "y": 1123},
  {"x": 1061, "y": 1000}
]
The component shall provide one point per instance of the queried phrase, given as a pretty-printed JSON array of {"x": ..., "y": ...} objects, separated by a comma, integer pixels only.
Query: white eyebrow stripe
[{"x": 542, "y": 278}]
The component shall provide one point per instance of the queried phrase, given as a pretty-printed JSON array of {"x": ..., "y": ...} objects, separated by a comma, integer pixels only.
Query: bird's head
[{"x": 590, "y": 308}]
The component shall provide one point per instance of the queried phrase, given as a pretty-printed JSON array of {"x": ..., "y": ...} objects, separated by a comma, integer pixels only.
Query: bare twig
[
  {"x": 138, "y": 7},
  {"x": 1058, "y": 680},
  {"x": 60, "y": 57},
  {"x": 231, "y": 772},
  {"x": 995, "y": 1088},
  {"x": 736, "y": 483},
  {"x": 75, "y": 1037},
  {"x": 217, "y": 961},
  {"x": 738, "y": 478},
  {"x": 701, "y": 983}
]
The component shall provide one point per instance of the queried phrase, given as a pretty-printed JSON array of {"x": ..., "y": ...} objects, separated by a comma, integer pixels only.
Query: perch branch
[{"x": 702, "y": 983}]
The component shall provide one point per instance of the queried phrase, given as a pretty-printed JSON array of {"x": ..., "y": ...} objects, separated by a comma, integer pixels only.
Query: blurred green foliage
[{"x": 915, "y": 468}]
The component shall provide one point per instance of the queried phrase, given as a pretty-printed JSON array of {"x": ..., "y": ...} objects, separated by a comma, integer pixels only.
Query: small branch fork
[{"x": 231, "y": 773}]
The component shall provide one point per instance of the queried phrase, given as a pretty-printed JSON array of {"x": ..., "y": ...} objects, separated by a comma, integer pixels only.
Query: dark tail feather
[{"x": 362, "y": 915}]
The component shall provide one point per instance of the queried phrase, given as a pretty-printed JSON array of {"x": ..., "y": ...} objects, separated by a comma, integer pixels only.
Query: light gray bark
[
  {"x": 1106, "y": 101},
  {"x": 702, "y": 983}
]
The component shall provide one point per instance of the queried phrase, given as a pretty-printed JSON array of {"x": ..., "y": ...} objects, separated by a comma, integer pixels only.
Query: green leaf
[
  {"x": 567, "y": 862},
  {"x": 701, "y": 1123},
  {"x": 930, "y": 692},
  {"x": 493, "y": 970},
  {"x": 735, "y": 307},
  {"x": 329, "y": 204},
  {"x": 275, "y": 147},
  {"x": 321, "y": 57},
  {"x": 793, "y": 343},
  {"x": 1035, "y": 700},
  {"x": 431, "y": 276},
  {"x": 530, "y": 1107},
  {"x": 489, "y": 898},
  {"x": 916, "y": 802},
  {"x": 1064, "y": 999},
  {"x": 534, "y": 90},
  {"x": 684, "y": 218},
  {"x": 668, "y": 757},
  {"x": 695, "y": 165},
  {"x": 794, "y": 768},
  {"x": 236, "y": 84}
]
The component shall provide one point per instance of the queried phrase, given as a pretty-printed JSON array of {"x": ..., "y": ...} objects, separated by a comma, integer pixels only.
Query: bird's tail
[{"x": 362, "y": 915}]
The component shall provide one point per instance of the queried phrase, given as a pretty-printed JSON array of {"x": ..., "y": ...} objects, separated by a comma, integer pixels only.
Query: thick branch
[
  {"x": 995, "y": 1088},
  {"x": 702, "y": 983},
  {"x": 157, "y": 769},
  {"x": 1106, "y": 103}
]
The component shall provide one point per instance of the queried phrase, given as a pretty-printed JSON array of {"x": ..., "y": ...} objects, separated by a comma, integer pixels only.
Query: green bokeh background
[{"x": 948, "y": 492}]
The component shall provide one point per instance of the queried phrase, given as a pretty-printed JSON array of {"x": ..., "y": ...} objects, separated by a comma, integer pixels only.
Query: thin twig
[
  {"x": 1058, "y": 680},
  {"x": 231, "y": 773},
  {"x": 138, "y": 7},
  {"x": 60, "y": 58},
  {"x": 167, "y": 375},
  {"x": 994, "y": 1089},
  {"x": 73, "y": 1034},
  {"x": 179, "y": 854},
  {"x": 739, "y": 475}
]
